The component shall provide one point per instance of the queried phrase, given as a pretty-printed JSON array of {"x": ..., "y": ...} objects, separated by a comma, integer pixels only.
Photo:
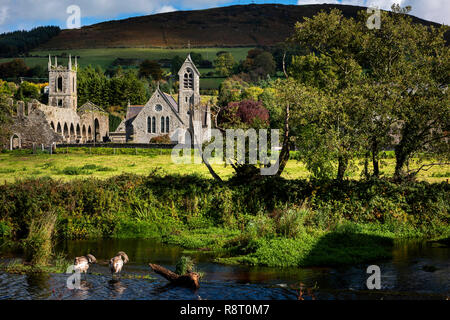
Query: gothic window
[
  {"x": 162, "y": 125},
  {"x": 60, "y": 103},
  {"x": 167, "y": 124},
  {"x": 189, "y": 79},
  {"x": 153, "y": 125},
  {"x": 59, "y": 84},
  {"x": 73, "y": 84},
  {"x": 149, "y": 125}
]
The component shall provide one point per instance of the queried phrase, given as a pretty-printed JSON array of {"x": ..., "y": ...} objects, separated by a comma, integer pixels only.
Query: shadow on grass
[{"x": 348, "y": 247}]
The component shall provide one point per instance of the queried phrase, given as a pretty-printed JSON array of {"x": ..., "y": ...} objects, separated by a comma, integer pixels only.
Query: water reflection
[
  {"x": 407, "y": 275},
  {"x": 38, "y": 285}
]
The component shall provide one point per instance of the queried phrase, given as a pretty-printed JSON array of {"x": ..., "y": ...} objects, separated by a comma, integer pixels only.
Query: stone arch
[
  {"x": 97, "y": 135},
  {"x": 188, "y": 80},
  {"x": 59, "y": 84},
  {"x": 83, "y": 134},
  {"x": 89, "y": 133},
  {"x": 78, "y": 132},
  {"x": 149, "y": 124},
  {"x": 72, "y": 132},
  {"x": 163, "y": 122},
  {"x": 153, "y": 125},
  {"x": 52, "y": 125},
  {"x": 58, "y": 128},
  {"x": 66, "y": 131},
  {"x": 15, "y": 142}
]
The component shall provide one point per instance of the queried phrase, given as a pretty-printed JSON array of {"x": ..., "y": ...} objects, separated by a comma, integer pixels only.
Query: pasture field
[
  {"x": 104, "y": 57},
  {"x": 78, "y": 163}
]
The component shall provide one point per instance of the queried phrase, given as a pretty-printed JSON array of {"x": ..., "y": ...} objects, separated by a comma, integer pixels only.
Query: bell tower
[
  {"x": 189, "y": 88},
  {"x": 62, "y": 83}
]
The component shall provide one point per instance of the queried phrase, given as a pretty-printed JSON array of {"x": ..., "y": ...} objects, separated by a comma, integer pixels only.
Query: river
[{"x": 417, "y": 270}]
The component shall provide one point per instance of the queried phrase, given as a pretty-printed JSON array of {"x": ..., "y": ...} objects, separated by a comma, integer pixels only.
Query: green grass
[
  {"x": 79, "y": 163},
  {"x": 104, "y": 57}
]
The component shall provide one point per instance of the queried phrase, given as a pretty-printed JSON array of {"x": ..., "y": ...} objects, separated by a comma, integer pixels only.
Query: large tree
[{"x": 397, "y": 76}]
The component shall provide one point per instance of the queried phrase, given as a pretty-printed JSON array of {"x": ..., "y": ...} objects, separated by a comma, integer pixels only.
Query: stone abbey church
[{"x": 62, "y": 121}]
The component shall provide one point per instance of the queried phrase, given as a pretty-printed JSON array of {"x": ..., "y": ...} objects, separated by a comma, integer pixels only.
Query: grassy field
[
  {"x": 104, "y": 57},
  {"x": 78, "y": 164}
]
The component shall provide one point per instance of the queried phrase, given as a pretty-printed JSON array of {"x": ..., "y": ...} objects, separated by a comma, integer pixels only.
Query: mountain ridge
[{"x": 231, "y": 26}]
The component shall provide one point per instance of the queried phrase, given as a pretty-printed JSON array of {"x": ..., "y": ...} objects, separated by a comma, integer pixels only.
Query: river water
[{"x": 416, "y": 271}]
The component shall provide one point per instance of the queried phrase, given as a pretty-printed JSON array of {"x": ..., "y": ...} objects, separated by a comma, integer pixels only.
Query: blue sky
[{"x": 26, "y": 14}]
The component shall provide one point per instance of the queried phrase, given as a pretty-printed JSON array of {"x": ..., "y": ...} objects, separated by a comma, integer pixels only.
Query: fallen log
[{"x": 189, "y": 280}]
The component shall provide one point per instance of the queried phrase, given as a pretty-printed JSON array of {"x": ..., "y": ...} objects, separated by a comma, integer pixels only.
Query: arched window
[
  {"x": 52, "y": 125},
  {"x": 189, "y": 79},
  {"x": 162, "y": 125},
  {"x": 153, "y": 125},
  {"x": 59, "y": 84},
  {"x": 167, "y": 124},
  {"x": 149, "y": 125}
]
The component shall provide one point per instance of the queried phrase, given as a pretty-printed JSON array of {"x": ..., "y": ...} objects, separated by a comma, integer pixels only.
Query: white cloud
[
  {"x": 165, "y": 9},
  {"x": 31, "y": 13},
  {"x": 432, "y": 10},
  {"x": 3, "y": 14}
]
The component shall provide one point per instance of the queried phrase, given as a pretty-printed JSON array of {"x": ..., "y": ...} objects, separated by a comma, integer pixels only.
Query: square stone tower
[
  {"x": 62, "y": 84},
  {"x": 189, "y": 88}
]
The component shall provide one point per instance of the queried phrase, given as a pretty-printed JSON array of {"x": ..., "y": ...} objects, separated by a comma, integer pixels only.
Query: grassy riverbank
[{"x": 273, "y": 222}]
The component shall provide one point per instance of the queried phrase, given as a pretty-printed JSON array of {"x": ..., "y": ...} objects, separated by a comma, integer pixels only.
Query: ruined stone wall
[{"x": 32, "y": 128}]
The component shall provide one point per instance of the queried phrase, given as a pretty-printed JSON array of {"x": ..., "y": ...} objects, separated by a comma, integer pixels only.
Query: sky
[{"x": 27, "y": 14}]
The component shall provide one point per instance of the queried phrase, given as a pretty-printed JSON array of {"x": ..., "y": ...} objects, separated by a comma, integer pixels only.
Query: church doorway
[{"x": 15, "y": 142}]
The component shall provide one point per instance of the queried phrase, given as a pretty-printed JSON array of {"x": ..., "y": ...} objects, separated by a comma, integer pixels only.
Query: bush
[
  {"x": 38, "y": 245},
  {"x": 164, "y": 139},
  {"x": 290, "y": 223}
]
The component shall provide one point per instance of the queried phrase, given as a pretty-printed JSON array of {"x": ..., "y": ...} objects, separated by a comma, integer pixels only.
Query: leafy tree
[
  {"x": 13, "y": 69},
  {"x": 29, "y": 90},
  {"x": 5, "y": 118},
  {"x": 335, "y": 38},
  {"x": 197, "y": 58},
  {"x": 252, "y": 93},
  {"x": 231, "y": 90},
  {"x": 265, "y": 64},
  {"x": 176, "y": 64},
  {"x": 409, "y": 67},
  {"x": 246, "y": 113},
  {"x": 150, "y": 69},
  {"x": 224, "y": 64}
]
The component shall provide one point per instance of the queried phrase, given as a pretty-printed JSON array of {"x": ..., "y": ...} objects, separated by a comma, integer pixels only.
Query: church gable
[{"x": 158, "y": 117}]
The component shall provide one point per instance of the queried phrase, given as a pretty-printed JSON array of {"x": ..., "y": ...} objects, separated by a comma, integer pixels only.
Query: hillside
[{"x": 234, "y": 26}]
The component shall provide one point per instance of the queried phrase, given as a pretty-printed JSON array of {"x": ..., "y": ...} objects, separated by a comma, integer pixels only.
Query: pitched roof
[
  {"x": 171, "y": 101},
  {"x": 189, "y": 60},
  {"x": 133, "y": 111}
]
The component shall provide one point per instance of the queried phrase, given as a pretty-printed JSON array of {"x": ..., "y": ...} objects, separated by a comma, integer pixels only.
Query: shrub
[
  {"x": 290, "y": 223},
  {"x": 38, "y": 244},
  {"x": 163, "y": 139}
]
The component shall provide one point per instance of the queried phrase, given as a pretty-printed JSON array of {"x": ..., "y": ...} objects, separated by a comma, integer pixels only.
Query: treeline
[
  {"x": 20, "y": 42},
  {"x": 17, "y": 68},
  {"x": 116, "y": 90}
]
